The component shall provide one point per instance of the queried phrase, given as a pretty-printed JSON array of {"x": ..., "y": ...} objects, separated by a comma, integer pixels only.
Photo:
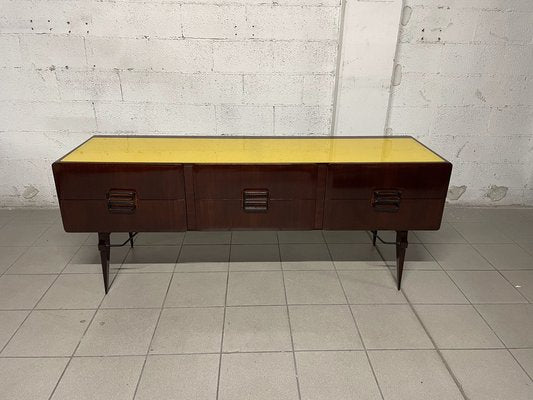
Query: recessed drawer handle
[
  {"x": 386, "y": 200},
  {"x": 121, "y": 201},
  {"x": 255, "y": 200}
]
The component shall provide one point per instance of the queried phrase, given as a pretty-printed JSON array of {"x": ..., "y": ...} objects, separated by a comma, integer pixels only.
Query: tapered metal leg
[
  {"x": 374, "y": 237},
  {"x": 131, "y": 239},
  {"x": 105, "y": 254},
  {"x": 401, "y": 245}
]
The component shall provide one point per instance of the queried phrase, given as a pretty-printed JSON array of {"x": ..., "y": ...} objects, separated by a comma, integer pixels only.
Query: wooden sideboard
[{"x": 156, "y": 184}]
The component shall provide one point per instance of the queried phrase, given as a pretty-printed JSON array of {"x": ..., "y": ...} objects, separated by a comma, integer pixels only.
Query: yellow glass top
[{"x": 239, "y": 150}]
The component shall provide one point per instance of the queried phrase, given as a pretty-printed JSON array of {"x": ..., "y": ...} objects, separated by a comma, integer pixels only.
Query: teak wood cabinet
[{"x": 147, "y": 184}]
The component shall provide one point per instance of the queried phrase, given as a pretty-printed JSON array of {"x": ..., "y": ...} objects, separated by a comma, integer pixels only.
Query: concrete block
[
  {"x": 495, "y": 27},
  {"x": 416, "y": 90},
  {"x": 505, "y": 121},
  {"x": 273, "y": 89},
  {"x": 464, "y": 121},
  {"x": 411, "y": 120},
  {"x": 47, "y": 116},
  {"x": 144, "y": 118},
  {"x": 10, "y": 50},
  {"x": 302, "y": 120},
  {"x": 171, "y": 87},
  {"x": 471, "y": 59},
  {"x": 301, "y": 57},
  {"x": 420, "y": 57},
  {"x": 141, "y": 54},
  {"x": 19, "y": 84},
  {"x": 244, "y": 120},
  {"x": 318, "y": 89},
  {"x": 51, "y": 51},
  {"x": 517, "y": 60},
  {"x": 214, "y": 21},
  {"x": 250, "y": 57},
  {"x": 89, "y": 85},
  {"x": 293, "y": 23},
  {"x": 318, "y": 3}
]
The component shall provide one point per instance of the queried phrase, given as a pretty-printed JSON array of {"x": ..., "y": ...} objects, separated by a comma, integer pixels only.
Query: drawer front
[
  {"x": 360, "y": 181},
  {"x": 95, "y": 181},
  {"x": 280, "y": 214},
  {"x": 142, "y": 216},
  {"x": 228, "y": 181},
  {"x": 362, "y": 214}
]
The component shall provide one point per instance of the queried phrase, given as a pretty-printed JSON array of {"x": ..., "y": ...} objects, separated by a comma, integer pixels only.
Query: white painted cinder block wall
[{"x": 70, "y": 69}]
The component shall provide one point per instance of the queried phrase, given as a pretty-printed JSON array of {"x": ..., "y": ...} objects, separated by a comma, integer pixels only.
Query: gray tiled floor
[{"x": 269, "y": 315}]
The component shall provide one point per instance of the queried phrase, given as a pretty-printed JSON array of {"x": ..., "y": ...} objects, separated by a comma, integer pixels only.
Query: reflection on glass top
[{"x": 251, "y": 150}]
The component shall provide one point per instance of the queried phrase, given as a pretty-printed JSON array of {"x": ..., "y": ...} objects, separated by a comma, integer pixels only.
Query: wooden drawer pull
[
  {"x": 121, "y": 201},
  {"x": 386, "y": 200},
  {"x": 255, "y": 200}
]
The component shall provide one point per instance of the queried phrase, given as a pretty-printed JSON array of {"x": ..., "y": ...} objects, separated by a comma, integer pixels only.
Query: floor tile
[
  {"x": 74, "y": 291},
  {"x": 43, "y": 260},
  {"x": 198, "y": 237},
  {"x": 87, "y": 260},
  {"x": 36, "y": 216},
  {"x": 413, "y": 375},
  {"x": 489, "y": 374},
  {"x": 188, "y": 330},
  {"x": 254, "y": 257},
  {"x": 55, "y": 236},
  {"x": 486, "y": 287},
  {"x": 457, "y": 327},
  {"x": 255, "y": 288},
  {"x": 313, "y": 287},
  {"x": 286, "y": 237},
  {"x": 179, "y": 377},
  {"x": 371, "y": 287},
  {"x": 21, "y": 235},
  {"x": 458, "y": 257},
  {"x": 513, "y": 323},
  {"x": 354, "y": 252},
  {"x": 137, "y": 291},
  {"x": 9, "y": 323},
  {"x": 119, "y": 332},
  {"x": 323, "y": 327},
  {"x": 30, "y": 378},
  {"x": 390, "y": 327},
  {"x": 202, "y": 289},
  {"x": 100, "y": 378},
  {"x": 23, "y": 291},
  {"x": 307, "y": 265},
  {"x": 8, "y": 255},
  {"x": 480, "y": 232},
  {"x": 390, "y": 236},
  {"x": 463, "y": 214},
  {"x": 203, "y": 258},
  {"x": 522, "y": 281},
  {"x": 49, "y": 333},
  {"x": 258, "y": 376},
  {"x": 431, "y": 287},
  {"x": 116, "y": 238},
  {"x": 525, "y": 358},
  {"x": 151, "y": 259},
  {"x": 159, "y": 239},
  {"x": 254, "y": 237},
  {"x": 256, "y": 329},
  {"x": 339, "y": 375},
  {"x": 506, "y": 256},
  {"x": 360, "y": 265},
  {"x": 446, "y": 234},
  {"x": 304, "y": 252},
  {"x": 415, "y": 252},
  {"x": 347, "y": 237}
]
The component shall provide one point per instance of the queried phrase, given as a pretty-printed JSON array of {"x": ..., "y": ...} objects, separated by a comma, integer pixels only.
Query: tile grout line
[
  {"x": 295, "y": 365},
  {"x": 355, "y": 321},
  {"x": 156, "y": 324},
  {"x": 223, "y": 321}
]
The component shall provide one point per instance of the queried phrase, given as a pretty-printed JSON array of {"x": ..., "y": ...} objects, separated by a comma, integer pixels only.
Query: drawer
[
  {"x": 416, "y": 180},
  {"x": 229, "y": 214},
  {"x": 147, "y": 216},
  {"x": 94, "y": 181},
  {"x": 361, "y": 214},
  {"x": 228, "y": 181}
]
